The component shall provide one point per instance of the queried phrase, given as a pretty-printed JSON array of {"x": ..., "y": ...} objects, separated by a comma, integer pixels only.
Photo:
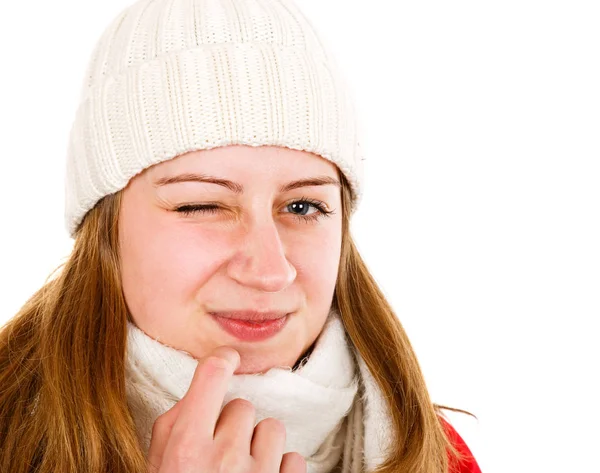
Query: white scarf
[{"x": 335, "y": 415}]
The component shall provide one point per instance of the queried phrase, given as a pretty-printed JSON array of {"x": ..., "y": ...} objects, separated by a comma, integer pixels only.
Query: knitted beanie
[{"x": 171, "y": 76}]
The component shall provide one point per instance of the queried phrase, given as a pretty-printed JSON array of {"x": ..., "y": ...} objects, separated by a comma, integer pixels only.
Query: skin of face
[{"x": 254, "y": 250}]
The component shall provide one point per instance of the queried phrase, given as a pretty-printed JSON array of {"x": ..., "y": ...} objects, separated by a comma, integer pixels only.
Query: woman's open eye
[{"x": 301, "y": 206}]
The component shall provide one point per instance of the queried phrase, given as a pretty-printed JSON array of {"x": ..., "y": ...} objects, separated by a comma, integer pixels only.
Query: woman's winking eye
[{"x": 302, "y": 205}]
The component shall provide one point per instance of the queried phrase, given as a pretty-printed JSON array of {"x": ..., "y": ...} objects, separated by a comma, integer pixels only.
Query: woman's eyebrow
[{"x": 238, "y": 188}]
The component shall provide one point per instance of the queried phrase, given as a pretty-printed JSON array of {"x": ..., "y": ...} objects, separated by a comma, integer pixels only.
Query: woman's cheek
[
  {"x": 316, "y": 259},
  {"x": 193, "y": 254}
]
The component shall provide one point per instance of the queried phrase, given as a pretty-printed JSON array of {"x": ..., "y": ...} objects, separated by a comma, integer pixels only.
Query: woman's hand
[{"x": 195, "y": 437}]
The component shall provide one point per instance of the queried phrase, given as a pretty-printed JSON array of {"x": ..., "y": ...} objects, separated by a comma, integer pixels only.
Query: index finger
[{"x": 201, "y": 405}]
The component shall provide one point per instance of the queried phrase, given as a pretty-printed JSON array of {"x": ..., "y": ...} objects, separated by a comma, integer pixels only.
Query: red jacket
[{"x": 468, "y": 464}]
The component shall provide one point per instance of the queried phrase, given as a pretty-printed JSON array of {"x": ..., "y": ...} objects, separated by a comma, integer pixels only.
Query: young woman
[{"x": 215, "y": 314}]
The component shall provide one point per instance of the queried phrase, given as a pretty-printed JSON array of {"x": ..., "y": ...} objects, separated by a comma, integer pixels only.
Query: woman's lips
[{"x": 251, "y": 331}]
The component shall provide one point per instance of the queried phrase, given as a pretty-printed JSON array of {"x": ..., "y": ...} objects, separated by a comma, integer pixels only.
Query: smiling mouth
[{"x": 251, "y": 330}]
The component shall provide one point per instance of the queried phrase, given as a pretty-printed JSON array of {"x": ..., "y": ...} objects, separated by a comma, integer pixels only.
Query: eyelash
[{"x": 190, "y": 209}]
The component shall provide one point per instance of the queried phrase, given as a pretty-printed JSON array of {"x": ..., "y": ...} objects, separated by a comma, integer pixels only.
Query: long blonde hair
[{"x": 63, "y": 405}]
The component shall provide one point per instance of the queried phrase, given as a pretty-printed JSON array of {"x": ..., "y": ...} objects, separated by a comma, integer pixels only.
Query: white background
[{"x": 481, "y": 213}]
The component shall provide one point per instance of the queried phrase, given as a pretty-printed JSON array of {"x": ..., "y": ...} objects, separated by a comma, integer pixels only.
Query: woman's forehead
[{"x": 239, "y": 159}]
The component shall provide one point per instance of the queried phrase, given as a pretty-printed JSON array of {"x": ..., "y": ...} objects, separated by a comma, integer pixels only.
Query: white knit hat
[{"x": 171, "y": 76}]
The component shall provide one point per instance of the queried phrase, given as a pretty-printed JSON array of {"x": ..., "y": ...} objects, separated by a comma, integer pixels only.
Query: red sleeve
[{"x": 468, "y": 464}]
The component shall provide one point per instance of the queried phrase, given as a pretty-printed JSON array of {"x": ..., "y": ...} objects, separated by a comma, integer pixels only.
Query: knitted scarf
[{"x": 332, "y": 408}]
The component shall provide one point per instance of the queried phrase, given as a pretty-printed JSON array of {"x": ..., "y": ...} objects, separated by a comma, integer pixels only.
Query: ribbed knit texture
[
  {"x": 171, "y": 76},
  {"x": 331, "y": 406}
]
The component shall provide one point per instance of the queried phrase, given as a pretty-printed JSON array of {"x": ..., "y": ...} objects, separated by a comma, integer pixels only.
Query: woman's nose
[{"x": 261, "y": 262}]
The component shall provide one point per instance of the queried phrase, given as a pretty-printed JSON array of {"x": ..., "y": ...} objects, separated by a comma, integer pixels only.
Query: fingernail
[{"x": 232, "y": 356}]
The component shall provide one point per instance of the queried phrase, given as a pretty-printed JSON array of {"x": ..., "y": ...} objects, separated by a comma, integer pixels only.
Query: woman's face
[{"x": 252, "y": 250}]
